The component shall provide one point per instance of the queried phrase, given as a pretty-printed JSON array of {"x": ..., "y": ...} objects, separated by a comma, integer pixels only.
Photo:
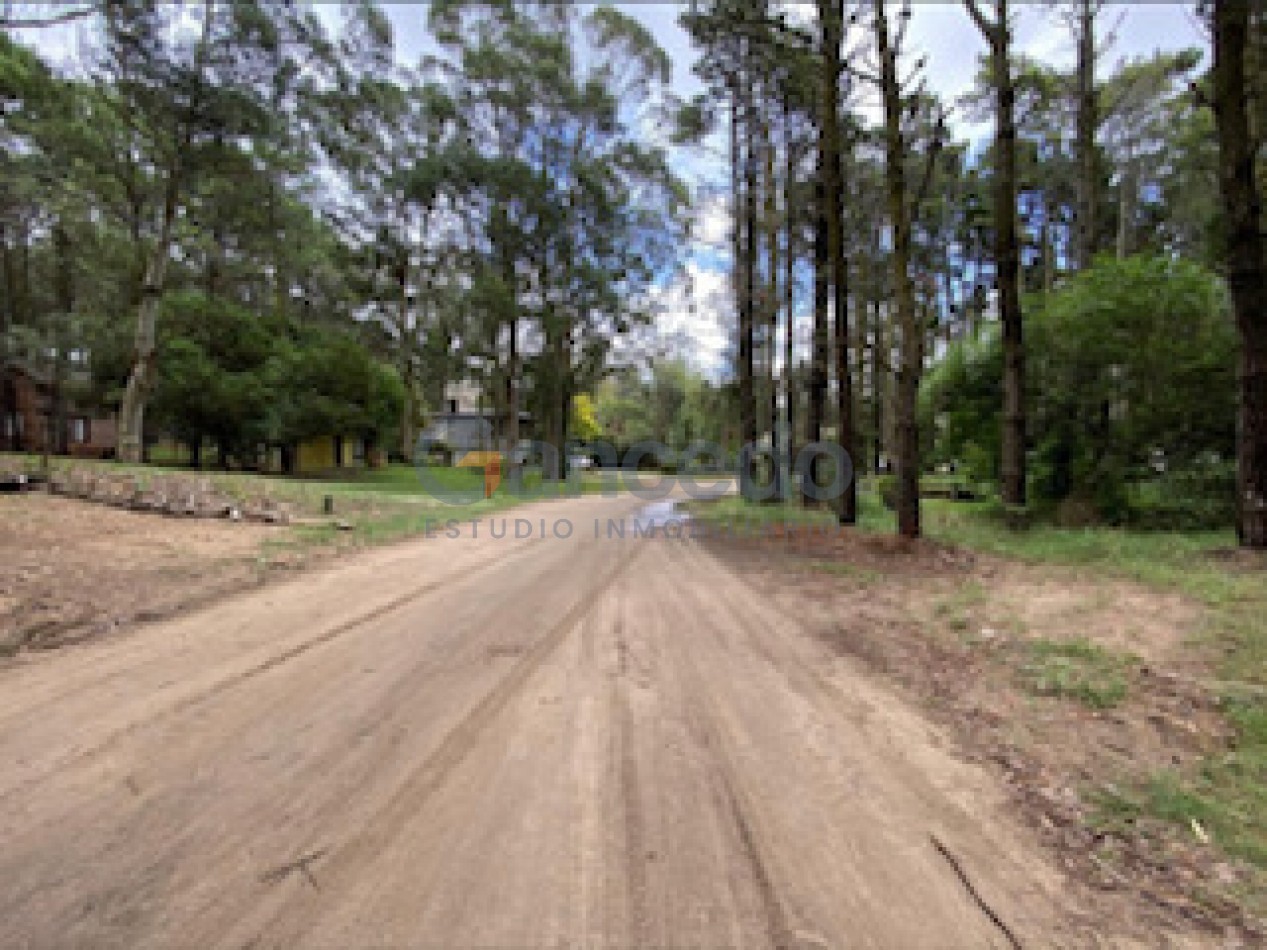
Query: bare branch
[
  {"x": 986, "y": 26},
  {"x": 9, "y": 21}
]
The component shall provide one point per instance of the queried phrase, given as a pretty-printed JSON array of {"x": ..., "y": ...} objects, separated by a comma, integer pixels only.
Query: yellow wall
[{"x": 315, "y": 455}]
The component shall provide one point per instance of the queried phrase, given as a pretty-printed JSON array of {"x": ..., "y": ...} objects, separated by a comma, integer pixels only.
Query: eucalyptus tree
[
  {"x": 187, "y": 83},
  {"x": 394, "y": 134},
  {"x": 621, "y": 205},
  {"x": 576, "y": 214}
]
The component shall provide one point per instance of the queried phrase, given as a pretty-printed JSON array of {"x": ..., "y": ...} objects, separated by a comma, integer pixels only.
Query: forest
[
  {"x": 1072, "y": 315},
  {"x": 245, "y": 224}
]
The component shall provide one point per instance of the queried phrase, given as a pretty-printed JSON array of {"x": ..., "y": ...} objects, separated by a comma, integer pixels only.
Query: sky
[{"x": 695, "y": 307}]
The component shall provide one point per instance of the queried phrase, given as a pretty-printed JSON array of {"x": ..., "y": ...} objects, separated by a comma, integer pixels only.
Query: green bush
[
  {"x": 1193, "y": 498},
  {"x": 1131, "y": 361}
]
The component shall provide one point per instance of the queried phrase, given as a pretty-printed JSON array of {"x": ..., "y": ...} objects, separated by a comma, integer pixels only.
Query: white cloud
[
  {"x": 712, "y": 222},
  {"x": 694, "y": 315}
]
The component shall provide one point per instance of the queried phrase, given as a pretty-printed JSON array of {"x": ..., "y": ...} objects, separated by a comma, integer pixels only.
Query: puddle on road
[{"x": 660, "y": 513}]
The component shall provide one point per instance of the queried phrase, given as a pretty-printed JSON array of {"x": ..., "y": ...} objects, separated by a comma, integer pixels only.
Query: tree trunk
[
  {"x": 10, "y": 284},
  {"x": 908, "y": 506},
  {"x": 831, "y": 18},
  {"x": 408, "y": 340},
  {"x": 131, "y": 429},
  {"x": 512, "y": 405},
  {"x": 1007, "y": 258},
  {"x": 878, "y": 362},
  {"x": 1126, "y": 209},
  {"x": 1088, "y": 122},
  {"x": 408, "y": 413},
  {"x": 789, "y": 292},
  {"x": 1246, "y": 260},
  {"x": 745, "y": 268},
  {"x": 821, "y": 341},
  {"x": 64, "y": 286},
  {"x": 771, "y": 310}
]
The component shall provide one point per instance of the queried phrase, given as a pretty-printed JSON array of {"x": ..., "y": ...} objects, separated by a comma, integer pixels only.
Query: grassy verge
[
  {"x": 1078, "y": 670},
  {"x": 735, "y": 513},
  {"x": 1226, "y": 794}
]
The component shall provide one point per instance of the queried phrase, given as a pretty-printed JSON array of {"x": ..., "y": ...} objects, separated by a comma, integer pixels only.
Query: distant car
[{"x": 580, "y": 461}]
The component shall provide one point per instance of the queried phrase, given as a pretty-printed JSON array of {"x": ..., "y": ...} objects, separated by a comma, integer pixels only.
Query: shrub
[{"x": 1131, "y": 361}]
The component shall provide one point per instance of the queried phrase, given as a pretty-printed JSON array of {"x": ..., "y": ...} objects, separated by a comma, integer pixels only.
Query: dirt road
[{"x": 499, "y": 742}]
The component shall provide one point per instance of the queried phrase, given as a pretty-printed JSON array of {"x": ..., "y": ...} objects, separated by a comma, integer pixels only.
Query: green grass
[
  {"x": 1226, "y": 793},
  {"x": 1077, "y": 669},
  {"x": 1154, "y": 557},
  {"x": 733, "y": 511}
]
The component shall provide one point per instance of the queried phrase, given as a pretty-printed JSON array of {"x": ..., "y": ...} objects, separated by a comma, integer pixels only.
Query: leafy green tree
[{"x": 1133, "y": 372}]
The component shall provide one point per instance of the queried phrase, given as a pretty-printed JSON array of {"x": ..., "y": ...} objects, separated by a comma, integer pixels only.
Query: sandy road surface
[{"x": 510, "y": 743}]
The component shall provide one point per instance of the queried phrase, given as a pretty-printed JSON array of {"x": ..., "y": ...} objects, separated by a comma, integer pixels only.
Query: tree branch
[
  {"x": 10, "y": 22},
  {"x": 985, "y": 26}
]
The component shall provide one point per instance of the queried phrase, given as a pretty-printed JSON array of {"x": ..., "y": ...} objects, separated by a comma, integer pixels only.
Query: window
[{"x": 79, "y": 429}]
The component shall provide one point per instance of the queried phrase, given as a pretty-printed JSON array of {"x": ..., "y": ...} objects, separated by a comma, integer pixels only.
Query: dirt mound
[{"x": 181, "y": 495}]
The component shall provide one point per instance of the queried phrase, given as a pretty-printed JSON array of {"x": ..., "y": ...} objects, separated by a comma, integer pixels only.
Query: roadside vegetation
[{"x": 1216, "y": 800}]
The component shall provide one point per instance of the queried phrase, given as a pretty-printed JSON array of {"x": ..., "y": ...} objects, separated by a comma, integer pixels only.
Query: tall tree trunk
[
  {"x": 10, "y": 314},
  {"x": 745, "y": 268},
  {"x": 1007, "y": 256},
  {"x": 64, "y": 286},
  {"x": 912, "y": 356},
  {"x": 1007, "y": 250},
  {"x": 789, "y": 293},
  {"x": 1246, "y": 259},
  {"x": 1126, "y": 209},
  {"x": 821, "y": 342},
  {"x": 25, "y": 310},
  {"x": 408, "y": 342},
  {"x": 1088, "y": 122},
  {"x": 831, "y": 20},
  {"x": 512, "y": 403},
  {"x": 847, "y": 504},
  {"x": 879, "y": 360},
  {"x": 131, "y": 428},
  {"x": 771, "y": 310}
]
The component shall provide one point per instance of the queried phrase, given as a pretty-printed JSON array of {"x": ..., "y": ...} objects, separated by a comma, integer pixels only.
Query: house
[
  {"x": 467, "y": 430},
  {"x": 325, "y": 453},
  {"x": 27, "y": 407}
]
